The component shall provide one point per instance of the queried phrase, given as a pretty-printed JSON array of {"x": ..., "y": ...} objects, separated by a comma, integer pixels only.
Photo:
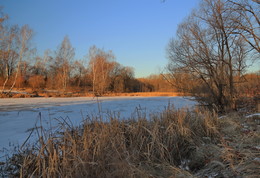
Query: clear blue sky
[{"x": 137, "y": 31}]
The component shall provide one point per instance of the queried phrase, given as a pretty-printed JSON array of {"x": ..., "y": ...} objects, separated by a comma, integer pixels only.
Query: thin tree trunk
[
  {"x": 16, "y": 75},
  {"x": 6, "y": 80}
]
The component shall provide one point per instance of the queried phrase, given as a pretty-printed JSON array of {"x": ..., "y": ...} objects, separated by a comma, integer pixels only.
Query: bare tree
[
  {"x": 180, "y": 80},
  {"x": 78, "y": 72},
  {"x": 3, "y": 18},
  {"x": 64, "y": 57},
  {"x": 9, "y": 52},
  {"x": 209, "y": 50},
  {"x": 100, "y": 66},
  {"x": 246, "y": 21},
  {"x": 25, "y": 35},
  {"x": 121, "y": 77}
]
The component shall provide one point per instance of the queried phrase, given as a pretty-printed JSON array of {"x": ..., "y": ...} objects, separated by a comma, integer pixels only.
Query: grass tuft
[{"x": 174, "y": 143}]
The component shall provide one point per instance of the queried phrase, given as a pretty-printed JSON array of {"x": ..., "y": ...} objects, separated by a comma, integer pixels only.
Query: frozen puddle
[{"x": 19, "y": 116}]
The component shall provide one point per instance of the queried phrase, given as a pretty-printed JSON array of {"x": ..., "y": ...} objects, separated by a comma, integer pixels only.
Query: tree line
[
  {"x": 208, "y": 58},
  {"x": 212, "y": 49},
  {"x": 97, "y": 73}
]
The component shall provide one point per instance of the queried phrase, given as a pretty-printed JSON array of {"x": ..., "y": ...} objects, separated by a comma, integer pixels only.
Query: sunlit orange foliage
[{"x": 37, "y": 81}]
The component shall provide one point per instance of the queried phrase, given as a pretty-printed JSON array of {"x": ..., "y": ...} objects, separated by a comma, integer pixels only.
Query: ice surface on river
[{"x": 19, "y": 115}]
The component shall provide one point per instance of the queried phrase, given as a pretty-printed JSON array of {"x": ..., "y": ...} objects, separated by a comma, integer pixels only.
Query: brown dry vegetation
[
  {"x": 172, "y": 144},
  {"x": 30, "y": 92},
  {"x": 144, "y": 94}
]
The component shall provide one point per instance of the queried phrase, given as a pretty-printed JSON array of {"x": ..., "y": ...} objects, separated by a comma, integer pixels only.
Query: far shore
[{"x": 28, "y": 93}]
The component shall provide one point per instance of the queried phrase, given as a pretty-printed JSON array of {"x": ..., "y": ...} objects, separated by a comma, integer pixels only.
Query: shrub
[{"x": 37, "y": 82}]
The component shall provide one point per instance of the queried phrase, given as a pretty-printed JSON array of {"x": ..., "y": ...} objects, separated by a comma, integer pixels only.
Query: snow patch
[{"x": 253, "y": 115}]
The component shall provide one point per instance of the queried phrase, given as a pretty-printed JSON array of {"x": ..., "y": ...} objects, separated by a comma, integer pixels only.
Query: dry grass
[
  {"x": 29, "y": 92},
  {"x": 172, "y": 144},
  {"x": 146, "y": 94},
  {"x": 80, "y": 94}
]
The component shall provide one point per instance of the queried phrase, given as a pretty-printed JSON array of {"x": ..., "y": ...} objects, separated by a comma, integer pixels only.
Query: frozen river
[{"x": 19, "y": 116}]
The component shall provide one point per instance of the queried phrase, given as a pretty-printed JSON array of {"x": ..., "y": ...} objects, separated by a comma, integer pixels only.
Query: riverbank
[
  {"x": 174, "y": 143},
  {"x": 29, "y": 93}
]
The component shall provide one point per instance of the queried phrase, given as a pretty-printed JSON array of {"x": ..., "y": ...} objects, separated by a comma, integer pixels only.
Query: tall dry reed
[
  {"x": 121, "y": 148},
  {"x": 174, "y": 143}
]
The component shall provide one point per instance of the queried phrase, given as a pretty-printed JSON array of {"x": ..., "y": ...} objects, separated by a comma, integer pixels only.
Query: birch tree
[
  {"x": 25, "y": 35},
  {"x": 9, "y": 53},
  {"x": 100, "y": 67},
  {"x": 63, "y": 61}
]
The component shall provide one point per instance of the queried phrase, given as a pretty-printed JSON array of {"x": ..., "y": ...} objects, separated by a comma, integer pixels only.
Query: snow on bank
[
  {"x": 18, "y": 116},
  {"x": 253, "y": 115}
]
